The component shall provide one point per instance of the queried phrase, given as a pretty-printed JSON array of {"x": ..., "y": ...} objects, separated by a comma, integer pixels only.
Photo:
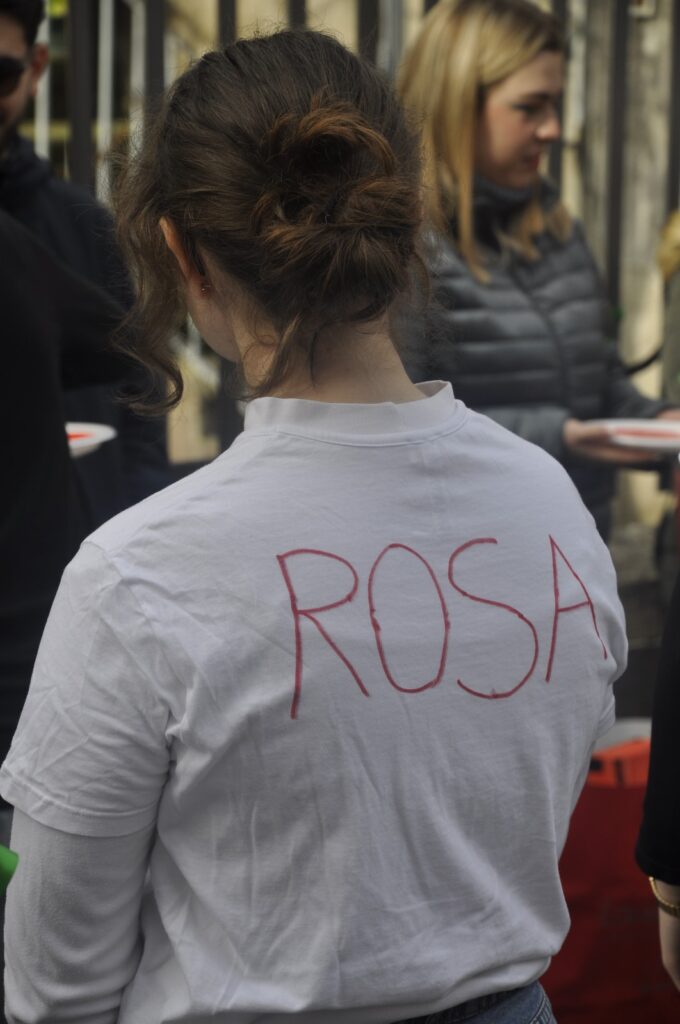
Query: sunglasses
[{"x": 11, "y": 70}]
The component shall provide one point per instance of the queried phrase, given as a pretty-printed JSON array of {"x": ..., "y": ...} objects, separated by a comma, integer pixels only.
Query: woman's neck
[{"x": 356, "y": 364}]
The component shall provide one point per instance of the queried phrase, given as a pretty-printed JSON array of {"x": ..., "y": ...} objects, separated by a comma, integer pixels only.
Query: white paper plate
[
  {"x": 654, "y": 435},
  {"x": 87, "y": 437}
]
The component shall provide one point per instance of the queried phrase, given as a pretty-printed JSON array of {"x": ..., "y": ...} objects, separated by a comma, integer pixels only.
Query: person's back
[
  {"x": 338, "y": 690},
  {"x": 382, "y": 788}
]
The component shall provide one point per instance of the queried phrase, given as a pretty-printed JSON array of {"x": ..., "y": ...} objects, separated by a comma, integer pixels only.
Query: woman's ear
[{"x": 174, "y": 244}]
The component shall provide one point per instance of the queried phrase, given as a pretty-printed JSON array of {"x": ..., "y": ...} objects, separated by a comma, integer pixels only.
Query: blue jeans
[{"x": 528, "y": 1005}]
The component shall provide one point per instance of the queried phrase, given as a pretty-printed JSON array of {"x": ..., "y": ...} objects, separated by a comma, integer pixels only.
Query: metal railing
[{"x": 95, "y": 126}]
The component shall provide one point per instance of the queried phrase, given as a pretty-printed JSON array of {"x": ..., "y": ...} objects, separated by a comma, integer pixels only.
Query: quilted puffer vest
[{"x": 533, "y": 345}]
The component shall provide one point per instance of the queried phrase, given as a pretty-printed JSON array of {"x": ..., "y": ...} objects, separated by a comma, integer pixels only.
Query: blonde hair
[
  {"x": 668, "y": 253},
  {"x": 464, "y": 48}
]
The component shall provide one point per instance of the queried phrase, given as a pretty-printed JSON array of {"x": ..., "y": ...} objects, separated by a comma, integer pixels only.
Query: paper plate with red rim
[
  {"x": 654, "y": 435},
  {"x": 87, "y": 437}
]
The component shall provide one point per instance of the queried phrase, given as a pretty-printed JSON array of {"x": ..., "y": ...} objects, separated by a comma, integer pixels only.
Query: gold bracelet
[{"x": 669, "y": 908}]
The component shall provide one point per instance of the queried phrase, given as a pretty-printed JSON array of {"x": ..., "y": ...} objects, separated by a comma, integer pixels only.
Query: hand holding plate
[{"x": 595, "y": 439}]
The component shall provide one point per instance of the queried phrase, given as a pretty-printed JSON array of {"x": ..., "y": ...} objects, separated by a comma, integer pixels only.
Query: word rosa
[{"x": 312, "y": 615}]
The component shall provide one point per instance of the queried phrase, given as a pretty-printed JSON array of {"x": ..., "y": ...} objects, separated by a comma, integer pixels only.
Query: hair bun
[
  {"x": 314, "y": 163},
  {"x": 326, "y": 138},
  {"x": 337, "y": 223}
]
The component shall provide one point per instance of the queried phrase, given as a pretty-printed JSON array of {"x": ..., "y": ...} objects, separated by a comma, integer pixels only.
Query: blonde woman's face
[{"x": 518, "y": 122}]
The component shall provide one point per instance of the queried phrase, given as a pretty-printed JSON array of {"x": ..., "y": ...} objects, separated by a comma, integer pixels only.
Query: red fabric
[{"x": 609, "y": 969}]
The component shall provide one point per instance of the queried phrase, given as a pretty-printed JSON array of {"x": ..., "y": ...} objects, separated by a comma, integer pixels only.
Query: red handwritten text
[
  {"x": 494, "y": 695},
  {"x": 560, "y": 565}
]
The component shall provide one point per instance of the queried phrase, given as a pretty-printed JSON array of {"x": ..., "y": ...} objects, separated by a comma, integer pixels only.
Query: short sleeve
[
  {"x": 608, "y": 717},
  {"x": 609, "y": 617},
  {"x": 90, "y": 755},
  {"x": 611, "y": 620}
]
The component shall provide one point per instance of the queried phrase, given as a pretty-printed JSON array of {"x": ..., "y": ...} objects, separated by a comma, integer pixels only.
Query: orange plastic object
[{"x": 626, "y": 764}]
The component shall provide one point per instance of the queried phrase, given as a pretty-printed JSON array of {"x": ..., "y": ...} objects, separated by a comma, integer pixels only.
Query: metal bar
[
  {"x": 154, "y": 49},
  {"x": 226, "y": 21},
  {"x": 105, "y": 97},
  {"x": 390, "y": 36},
  {"x": 80, "y": 91},
  {"x": 369, "y": 26},
  {"x": 560, "y": 9},
  {"x": 615, "y": 146},
  {"x": 43, "y": 99},
  {"x": 297, "y": 13},
  {"x": 673, "y": 181},
  {"x": 137, "y": 49}
]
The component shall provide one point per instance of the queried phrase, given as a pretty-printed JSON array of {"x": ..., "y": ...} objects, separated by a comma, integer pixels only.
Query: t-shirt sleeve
[
  {"x": 616, "y": 642},
  {"x": 609, "y": 618},
  {"x": 608, "y": 717},
  {"x": 90, "y": 754}
]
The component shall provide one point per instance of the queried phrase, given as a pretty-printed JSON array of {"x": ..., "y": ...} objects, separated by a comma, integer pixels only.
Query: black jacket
[
  {"x": 79, "y": 231},
  {"x": 54, "y": 331},
  {"x": 658, "y": 847},
  {"x": 532, "y": 346}
]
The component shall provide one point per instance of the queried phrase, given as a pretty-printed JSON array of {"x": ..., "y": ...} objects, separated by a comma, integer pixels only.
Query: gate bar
[
  {"x": 81, "y": 91},
  {"x": 615, "y": 146}
]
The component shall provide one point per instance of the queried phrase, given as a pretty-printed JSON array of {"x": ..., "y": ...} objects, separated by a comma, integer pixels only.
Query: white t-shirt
[{"x": 354, "y": 670}]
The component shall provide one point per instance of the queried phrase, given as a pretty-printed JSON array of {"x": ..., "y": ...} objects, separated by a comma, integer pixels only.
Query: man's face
[{"x": 13, "y": 104}]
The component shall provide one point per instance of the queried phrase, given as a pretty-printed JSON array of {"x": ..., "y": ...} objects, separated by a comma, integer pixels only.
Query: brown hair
[
  {"x": 464, "y": 48},
  {"x": 285, "y": 162}
]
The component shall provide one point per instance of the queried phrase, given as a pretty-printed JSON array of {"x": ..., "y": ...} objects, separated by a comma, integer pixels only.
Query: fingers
[
  {"x": 591, "y": 440},
  {"x": 593, "y": 433},
  {"x": 578, "y": 432}
]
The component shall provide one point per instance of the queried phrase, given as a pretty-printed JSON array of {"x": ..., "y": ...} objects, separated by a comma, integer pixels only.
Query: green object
[
  {"x": 8, "y": 865},
  {"x": 57, "y": 8}
]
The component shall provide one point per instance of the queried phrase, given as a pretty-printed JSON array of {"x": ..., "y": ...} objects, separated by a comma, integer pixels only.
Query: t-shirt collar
[{"x": 335, "y": 421}]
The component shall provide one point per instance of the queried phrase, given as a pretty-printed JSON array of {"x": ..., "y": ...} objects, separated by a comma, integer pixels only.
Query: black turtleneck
[{"x": 494, "y": 207}]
